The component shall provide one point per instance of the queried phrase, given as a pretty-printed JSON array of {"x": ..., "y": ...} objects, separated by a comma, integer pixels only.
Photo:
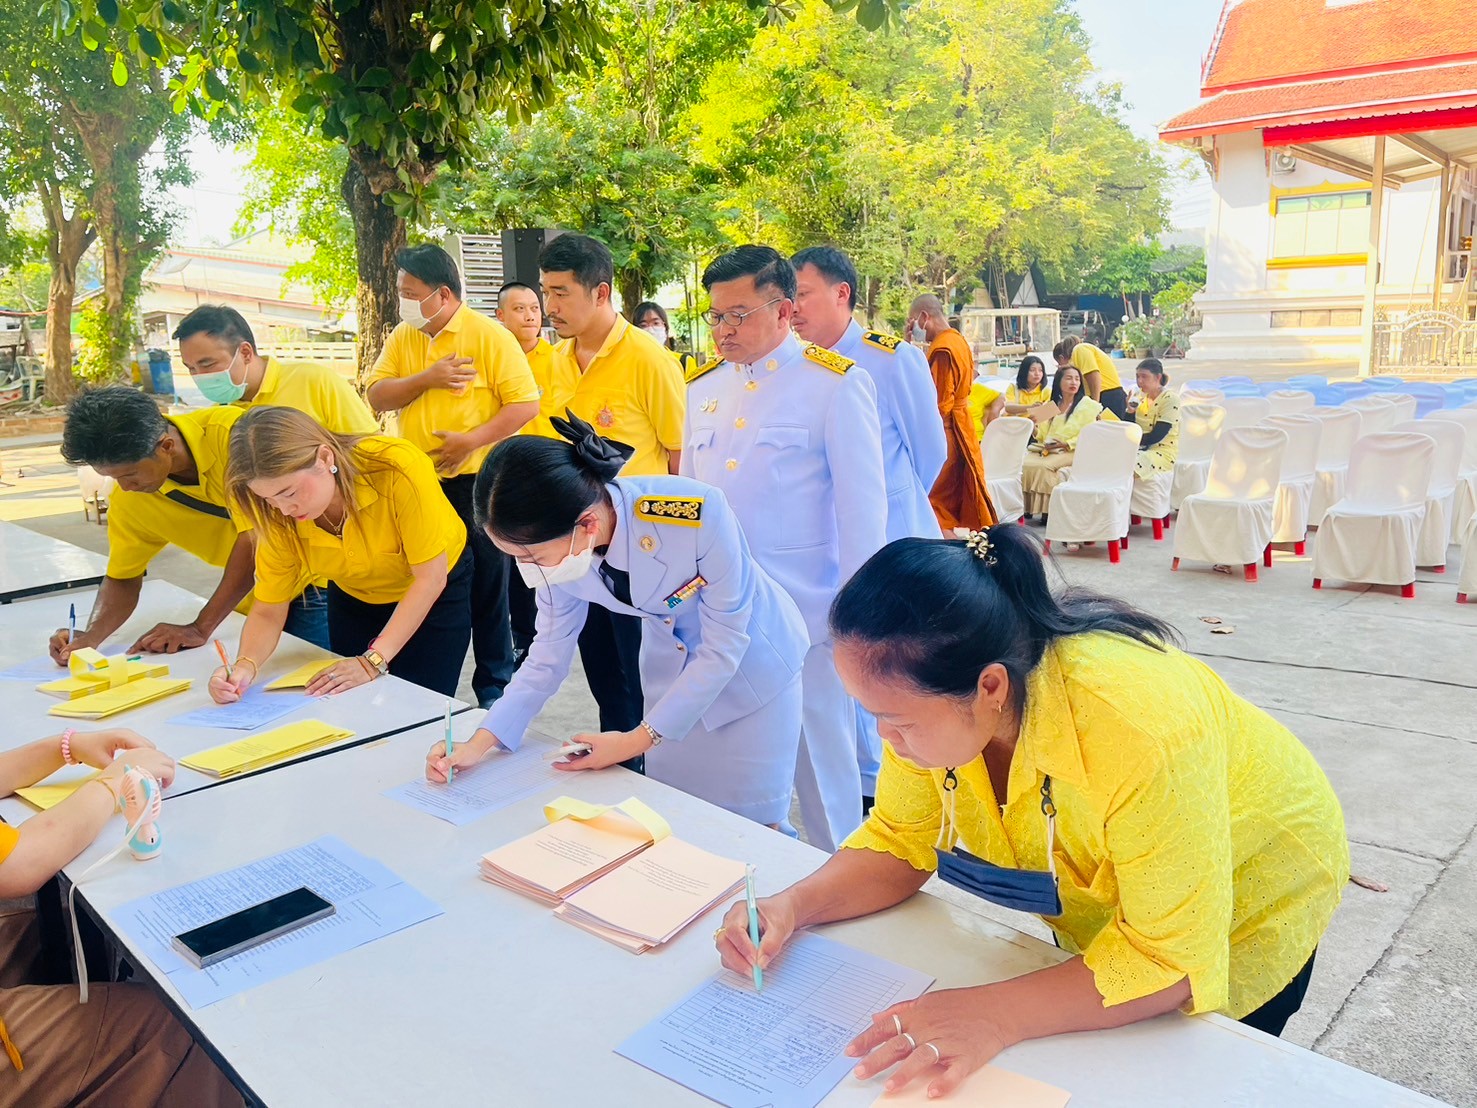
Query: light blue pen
[
  {"x": 753, "y": 925},
  {"x": 71, "y": 622},
  {"x": 450, "y": 769}
]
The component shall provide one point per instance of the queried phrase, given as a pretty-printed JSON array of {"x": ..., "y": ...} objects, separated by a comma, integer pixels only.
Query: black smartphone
[{"x": 261, "y": 923}]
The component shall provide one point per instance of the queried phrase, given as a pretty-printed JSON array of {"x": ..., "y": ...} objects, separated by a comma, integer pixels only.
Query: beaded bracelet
[{"x": 67, "y": 747}]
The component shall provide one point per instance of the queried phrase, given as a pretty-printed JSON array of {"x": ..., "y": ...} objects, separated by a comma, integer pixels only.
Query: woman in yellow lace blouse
[
  {"x": 1058, "y": 756},
  {"x": 1158, "y": 417},
  {"x": 1055, "y": 442}
]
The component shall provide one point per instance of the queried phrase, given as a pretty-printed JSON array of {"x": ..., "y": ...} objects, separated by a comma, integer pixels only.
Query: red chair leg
[
  {"x": 1022, "y": 521},
  {"x": 1158, "y": 530},
  {"x": 1175, "y": 565},
  {"x": 1135, "y": 520},
  {"x": 1317, "y": 582},
  {"x": 1167, "y": 520},
  {"x": 1301, "y": 548},
  {"x": 1250, "y": 569},
  {"x": 1267, "y": 556},
  {"x": 1408, "y": 591},
  {"x": 1048, "y": 546},
  {"x": 1124, "y": 542},
  {"x": 1461, "y": 598},
  {"x": 1438, "y": 569},
  {"x": 1113, "y": 551}
]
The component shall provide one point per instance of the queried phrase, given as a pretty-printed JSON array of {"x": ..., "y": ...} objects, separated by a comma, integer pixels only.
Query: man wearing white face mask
[{"x": 460, "y": 383}]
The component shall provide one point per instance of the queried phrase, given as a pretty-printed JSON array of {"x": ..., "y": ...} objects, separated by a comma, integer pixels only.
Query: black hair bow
[{"x": 589, "y": 447}]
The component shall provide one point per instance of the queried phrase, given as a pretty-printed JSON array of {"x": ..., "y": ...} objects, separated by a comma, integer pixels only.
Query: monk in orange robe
[{"x": 959, "y": 498}]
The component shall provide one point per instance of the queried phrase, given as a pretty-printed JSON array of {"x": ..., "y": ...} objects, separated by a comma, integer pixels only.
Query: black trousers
[
  {"x": 492, "y": 641},
  {"x": 610, "y": 651},
  {"x": 1116, "y": 401},
  {"x": 522, "y": 615},
  {"x": 1272, "y": 1016},
  {"x": 433, "y": 657}
]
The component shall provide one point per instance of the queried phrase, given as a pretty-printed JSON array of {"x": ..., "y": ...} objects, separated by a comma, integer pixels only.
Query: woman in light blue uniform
[{"x": 722, "y": 645}]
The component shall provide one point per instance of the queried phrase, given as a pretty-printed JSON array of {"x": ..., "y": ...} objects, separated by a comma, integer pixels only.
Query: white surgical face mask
[
  {"x": 410, "y": 311},
  {"x": 919, "y": 334},
  {"x": 569, "y": 570},
  {"x": 658, "y": 332}
]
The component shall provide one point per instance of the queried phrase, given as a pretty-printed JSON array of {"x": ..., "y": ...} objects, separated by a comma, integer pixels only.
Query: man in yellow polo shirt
[
  {"x": 1099, "y": 375},
  {"x": 520, "y": 310},
  {"x": 460, "y": 383},
  {"x": 171, "y": 474},
  {"x": 217, "y": 347},
  {"x": 629, "y": 388}
]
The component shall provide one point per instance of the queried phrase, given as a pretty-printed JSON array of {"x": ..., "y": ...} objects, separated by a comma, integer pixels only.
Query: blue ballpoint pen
[
  {"x": 71, "y": 622},
  {"x": 450, "y": 770},
  {"x": 753, "y": 925}
]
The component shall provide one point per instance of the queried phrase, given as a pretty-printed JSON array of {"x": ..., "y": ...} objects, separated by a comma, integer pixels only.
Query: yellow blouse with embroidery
[
  {"x": 1164, "y": 409},
  {"x": 1195, "y": 835},
  {"x": 1065, "y": 429}
]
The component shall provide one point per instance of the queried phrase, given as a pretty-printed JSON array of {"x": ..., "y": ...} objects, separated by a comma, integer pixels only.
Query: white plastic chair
[
  {"x": 1341, "y": 429},
  {"x": 1465, "y": 505},
  {"x": 1231, "y": 521},
  {"x": 1201, "y": 396},
  {"x": 1378, "y": 414},
  {"x": 1150, "y": 500},
  {"x": 1291, "y": 401},
  {"x": 1091, "y": 505},
  {"x": 95, "y": 492},
  {"x": 1405, "y": 405},
  {"x": 1200, "y": 428},
  {"x": 1295, "y": 483},
  {"x": 1451, "y": 443},
  {"x": 1371, "y": 535},
  {"x": 1004, "y": 446},
  {"x": 1244, "y": 411}
]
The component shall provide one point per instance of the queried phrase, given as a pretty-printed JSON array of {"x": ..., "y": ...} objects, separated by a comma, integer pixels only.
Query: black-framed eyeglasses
[{"x": 736, "y": 319}]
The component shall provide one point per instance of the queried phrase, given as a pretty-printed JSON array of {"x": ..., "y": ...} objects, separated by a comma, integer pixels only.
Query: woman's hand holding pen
[
  {"x": 777, "y": 921},
  {"x": 463, "y": 755},
  {"x": 607, "y": 748}
]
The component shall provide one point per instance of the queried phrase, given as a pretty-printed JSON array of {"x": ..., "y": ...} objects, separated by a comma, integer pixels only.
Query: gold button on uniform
[
  {"x": 731, "y": 464},
  {"x": 752, "y": 385},
  {"x": 648, "y": 543},
  {"x": 681, "y": 647},
  {"x": 771, "y": 365},
  {"x": 741, "y": 423}
]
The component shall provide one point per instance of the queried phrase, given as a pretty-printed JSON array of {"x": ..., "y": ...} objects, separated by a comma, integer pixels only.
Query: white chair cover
[
  {"x": 1200, "y": 428},
  {"x": 95, "y": 488},
  {"x": 1200, "y": 396},
  {"x": 1370, "y": 535},
  {"x": 1091, "y": 505},
  {"x": 1465, "y": 505},
  {"x": 1341, "y": 428},
  {"x": 1290, "y": 401},
  {"x": 1451, "y": 442},
  {"x": 1231, "y": 521},
  {"x": 1245, "y": 411},
  {"x": 1004, "y": 450},
  {"x": 1299, "y": 470},
  {"x": 1378, "y": 413},
  {"x": 1151, "y": 496},
  {"x": 1405, "y": 405}
]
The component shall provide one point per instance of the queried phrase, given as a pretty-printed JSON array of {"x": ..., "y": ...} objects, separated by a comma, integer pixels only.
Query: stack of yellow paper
[
  {"x": 91, "y": 672},
  {"x": 49, "y": 796},
  {"x": 135, "y": 694},
  {"x": 279, "y": 745},
  {"x": 299, "y": 678}
]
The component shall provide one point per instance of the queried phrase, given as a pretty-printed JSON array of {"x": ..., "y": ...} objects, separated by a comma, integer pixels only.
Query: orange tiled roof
[
  {"x": 1378, "y": 94},
  {"x": 1262, "y": 41}
]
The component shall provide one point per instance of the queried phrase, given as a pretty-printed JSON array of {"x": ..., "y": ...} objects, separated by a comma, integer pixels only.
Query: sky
[{"x": 1153, "y": 48}]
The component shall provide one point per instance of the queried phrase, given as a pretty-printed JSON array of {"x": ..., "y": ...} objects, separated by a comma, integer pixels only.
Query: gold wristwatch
[{"x": 377, "y": 660}]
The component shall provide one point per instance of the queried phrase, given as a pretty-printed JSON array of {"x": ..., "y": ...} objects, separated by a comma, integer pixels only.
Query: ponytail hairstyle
[
  {"x": 1154, "y": 366},
  {"x": 532, "y": 489},
  {"x": 936, "y": 612}
]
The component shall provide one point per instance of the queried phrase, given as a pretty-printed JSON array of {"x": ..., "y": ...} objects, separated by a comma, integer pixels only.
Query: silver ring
[
  {"x": 912, "y": 1042},
  {"x": 937, "y": 1054},
  {"x": 897, "y": 1023}
]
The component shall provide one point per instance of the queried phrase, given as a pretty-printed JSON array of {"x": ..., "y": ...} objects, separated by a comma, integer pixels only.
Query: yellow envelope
[
  {"x": 299, "y": 678},
  {"x": 91, "y": 672},
  {"x": 49, "y": 796},
  {"x": 134, "y": 694},
  {"x": 269, "y": 748}
]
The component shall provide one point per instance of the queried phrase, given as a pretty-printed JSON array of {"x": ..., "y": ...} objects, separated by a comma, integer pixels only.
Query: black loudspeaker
[{"x": 521, "y": 248}]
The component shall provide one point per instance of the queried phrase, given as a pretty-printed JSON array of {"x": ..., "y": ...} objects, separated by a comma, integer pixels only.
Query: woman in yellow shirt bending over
[
  {"x": 367, "y": 514},
  {"x": 1058, "y": 756}
]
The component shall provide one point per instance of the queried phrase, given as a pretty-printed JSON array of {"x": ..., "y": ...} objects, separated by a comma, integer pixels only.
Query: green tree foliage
[{"x": 1139, "y": 272}]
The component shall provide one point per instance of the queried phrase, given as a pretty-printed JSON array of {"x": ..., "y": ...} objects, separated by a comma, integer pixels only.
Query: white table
[
  {"x": 384, "y": 706},
  {"x": 498, "y": 1001},
  {"x": 32, "y": 563}
]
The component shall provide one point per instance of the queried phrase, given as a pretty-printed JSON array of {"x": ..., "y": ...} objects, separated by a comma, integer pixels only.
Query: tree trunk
[
  {"x": 378, "y": 234},
  {"x": 631, "y": 286},
  {"x": 115, "y": 189},
  {"x": 66, "y": 241}
]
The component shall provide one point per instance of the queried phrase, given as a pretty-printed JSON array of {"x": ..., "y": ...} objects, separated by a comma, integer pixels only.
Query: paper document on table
[
  {"x": 270, "y": 747},
  {"x": 135, "y": 694},
  {"x": 647, "y": 901},
  {"x": 256, "y": 709},
  {"x": 567, "y": 853},
  {"x": 44, "y": 669},
  {"x": 495, "y": 782},
  {"x": 299, "y": 678},
  {"x": 57, "y": 788},
  {"x": 989, "y": 1085},
  {"x": 782, "y": 1047},
  {"x": 93, "y": 672},
  {"x": 369, "y": 899}
]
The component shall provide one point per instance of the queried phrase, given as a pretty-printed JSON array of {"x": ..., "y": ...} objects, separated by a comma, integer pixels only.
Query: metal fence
[{"x": 1431, "y": 342}]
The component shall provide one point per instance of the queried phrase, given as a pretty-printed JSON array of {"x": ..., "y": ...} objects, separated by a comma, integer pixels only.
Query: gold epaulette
[
  {"x": 698, "y": 370},
  {"x": 882, "y": 341},
  {"x": 684, "y": 511},
  {"x": 828, "y": 358}
]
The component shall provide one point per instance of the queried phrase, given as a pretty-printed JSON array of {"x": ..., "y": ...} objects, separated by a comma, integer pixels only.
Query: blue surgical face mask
[
  {"x": 220, "y": 387},
  {"x": 1024, "y": 890}
]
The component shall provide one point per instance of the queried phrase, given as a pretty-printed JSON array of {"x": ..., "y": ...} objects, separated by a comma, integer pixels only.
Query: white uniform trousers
[{"x": 826, "y": 776}]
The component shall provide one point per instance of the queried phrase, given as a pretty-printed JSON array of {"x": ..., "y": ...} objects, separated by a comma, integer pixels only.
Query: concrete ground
[{"x": 1382, "y": 690}]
